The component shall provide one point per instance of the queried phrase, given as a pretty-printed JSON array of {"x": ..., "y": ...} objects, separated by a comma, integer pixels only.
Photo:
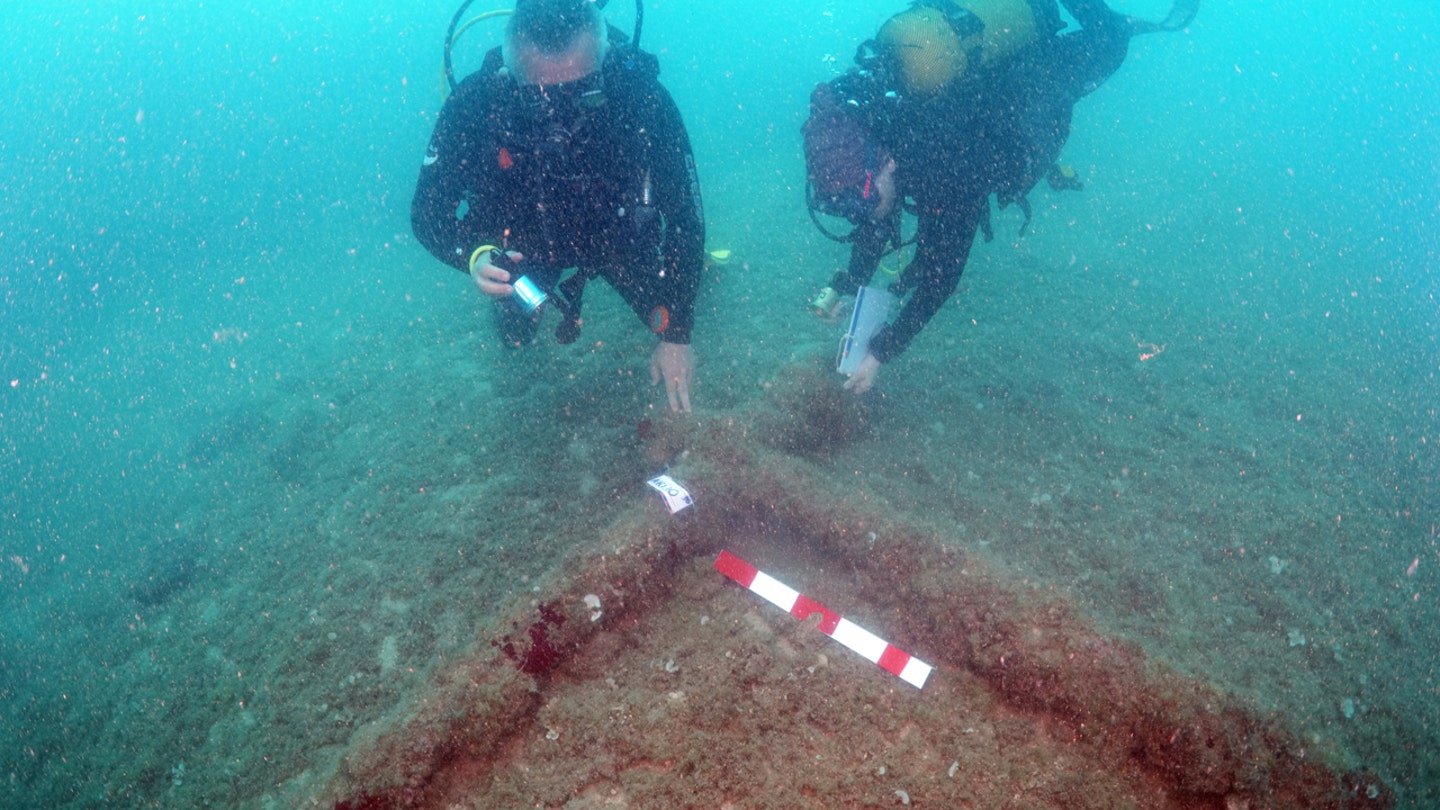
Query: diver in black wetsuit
[
  {"x": 950, "y": 103},
  {"x": 564, "y": 151}
]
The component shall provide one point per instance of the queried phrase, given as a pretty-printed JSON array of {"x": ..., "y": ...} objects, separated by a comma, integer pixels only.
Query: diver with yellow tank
[{"x": 950, "y": 103}]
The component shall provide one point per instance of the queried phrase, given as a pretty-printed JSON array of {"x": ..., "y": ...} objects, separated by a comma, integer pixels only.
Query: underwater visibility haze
[{"x": 270, "y": 487}]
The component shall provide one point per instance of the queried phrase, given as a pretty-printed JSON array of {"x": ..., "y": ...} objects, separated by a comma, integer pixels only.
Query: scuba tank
[{"x": 937, "y": 42}]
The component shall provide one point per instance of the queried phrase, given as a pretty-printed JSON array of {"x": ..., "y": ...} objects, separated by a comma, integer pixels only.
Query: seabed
[{"x": 689, "y": 691}]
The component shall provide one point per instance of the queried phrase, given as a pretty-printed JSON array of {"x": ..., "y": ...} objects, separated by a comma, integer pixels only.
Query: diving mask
[{"x": 564, "y": 101}]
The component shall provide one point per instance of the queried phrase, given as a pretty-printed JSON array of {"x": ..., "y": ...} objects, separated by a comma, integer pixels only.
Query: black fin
[{"x": 1024, "y": 204}]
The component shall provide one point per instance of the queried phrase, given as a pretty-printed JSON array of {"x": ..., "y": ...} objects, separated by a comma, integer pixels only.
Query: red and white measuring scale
[{"x": 877, "y": 650}]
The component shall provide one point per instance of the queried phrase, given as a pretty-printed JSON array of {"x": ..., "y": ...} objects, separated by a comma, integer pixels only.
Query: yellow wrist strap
[{"x": 476, "y": 255}]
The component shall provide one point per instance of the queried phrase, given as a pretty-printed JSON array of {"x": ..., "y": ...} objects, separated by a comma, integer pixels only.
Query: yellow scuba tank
[
  {"x": 935, "y": 42},
  {"x": 1009, "y": 27}
]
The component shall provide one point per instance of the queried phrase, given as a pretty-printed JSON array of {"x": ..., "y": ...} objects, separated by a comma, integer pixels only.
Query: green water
[{"x": 263, "y": 467}]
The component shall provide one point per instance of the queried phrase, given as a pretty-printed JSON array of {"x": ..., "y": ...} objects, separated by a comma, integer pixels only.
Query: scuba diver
[
  {"x": 951, "y": 102},
  {"x": 565, "y": 153}
]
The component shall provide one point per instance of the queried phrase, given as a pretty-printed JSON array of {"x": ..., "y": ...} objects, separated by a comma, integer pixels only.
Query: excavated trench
[{"x": 689, "y": 691}]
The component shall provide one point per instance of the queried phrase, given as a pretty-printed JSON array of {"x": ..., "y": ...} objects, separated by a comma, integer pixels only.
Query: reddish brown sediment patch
[
  {"x": 534, "y": 653},
  {"x": 651, "y": 706}
]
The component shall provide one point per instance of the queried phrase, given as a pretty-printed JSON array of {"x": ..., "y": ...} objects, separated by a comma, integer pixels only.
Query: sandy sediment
[{"x": 690, "y": 691}]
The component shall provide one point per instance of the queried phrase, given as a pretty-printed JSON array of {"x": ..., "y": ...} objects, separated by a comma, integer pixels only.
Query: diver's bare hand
[
  {"x": 494, "y": 281},
  {"x": 864, "y": 376},
  {"x": 675, "y": 364}
]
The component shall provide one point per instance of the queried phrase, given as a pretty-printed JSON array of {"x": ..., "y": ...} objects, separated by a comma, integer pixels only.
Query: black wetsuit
[
  {"x": 995, "y": 132},
  {"x": 605, "y": 187}
]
